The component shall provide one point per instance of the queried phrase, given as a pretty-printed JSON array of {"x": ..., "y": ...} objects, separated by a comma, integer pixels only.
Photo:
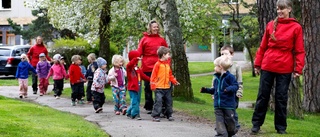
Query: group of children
[{"x": 226, "y": 88}]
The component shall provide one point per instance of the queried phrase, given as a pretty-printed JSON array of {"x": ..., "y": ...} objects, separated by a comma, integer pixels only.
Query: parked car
[{"x": 10, "y": 58}]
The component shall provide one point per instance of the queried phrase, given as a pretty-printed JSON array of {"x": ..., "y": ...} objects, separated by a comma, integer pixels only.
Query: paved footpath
[{"x": 120, "y": 125}]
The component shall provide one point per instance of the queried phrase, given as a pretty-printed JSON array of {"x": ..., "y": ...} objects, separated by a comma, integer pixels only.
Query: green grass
[
  {"x": 11, "y": 81},
  {"x": 25, "y": 119},
  {"x": 200, "y": 67}
]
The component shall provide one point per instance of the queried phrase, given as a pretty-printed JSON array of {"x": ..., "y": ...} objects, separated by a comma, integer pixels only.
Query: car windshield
[{"x": 4, "y": 52}]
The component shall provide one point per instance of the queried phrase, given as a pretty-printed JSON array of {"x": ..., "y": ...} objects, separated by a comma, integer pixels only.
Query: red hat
[{"x": 133, "y": 54}]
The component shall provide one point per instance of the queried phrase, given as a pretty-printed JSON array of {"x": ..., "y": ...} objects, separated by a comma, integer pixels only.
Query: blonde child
[
  {"x": 42, "y": 69},
  {"x": 75, "y": 76},
  {"x": 58, "y": 73},
  {"x": 135, "y": 75},
  {"x": 99, "y": 80},
  {"x": 92, "y": 67},
  {"x": 22, "y": 74},
  {"x": 116, "y": 76},
  {"x": 160, "y": 82},
  {"x": 224, "y": 89}
]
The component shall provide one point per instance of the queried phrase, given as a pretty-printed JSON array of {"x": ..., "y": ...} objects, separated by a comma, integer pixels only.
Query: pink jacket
[{"x": 58, "y": 71}]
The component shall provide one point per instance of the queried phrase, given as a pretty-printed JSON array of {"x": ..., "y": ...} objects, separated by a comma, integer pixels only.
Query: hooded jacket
[
  {"x": 148, "y": 47},
  {"x": 134, "y": 73},
  {"x": 161, "y": 76},
  {"x": 23, "y": 70},
  {"x": 35, "y": 51},
  {"x": 224, "y": 89},
  {"x": 278, "y": 56}
]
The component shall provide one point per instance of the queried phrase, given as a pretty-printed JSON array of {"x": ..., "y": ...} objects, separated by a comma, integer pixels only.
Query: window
[
  {"x": 5, "y": 4},
  {"x": 234, "y": 2}
]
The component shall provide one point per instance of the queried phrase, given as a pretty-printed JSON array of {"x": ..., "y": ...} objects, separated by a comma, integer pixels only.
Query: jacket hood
[
  {"x": 146, "y": 34},
  {"x": 287, "y": 20},
  {"x": 24, "y": 64},
  {"x": 133, "y": 54}
]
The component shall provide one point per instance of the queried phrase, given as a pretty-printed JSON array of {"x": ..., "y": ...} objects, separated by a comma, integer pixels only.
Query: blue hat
[{"x": 101, "y": 61}]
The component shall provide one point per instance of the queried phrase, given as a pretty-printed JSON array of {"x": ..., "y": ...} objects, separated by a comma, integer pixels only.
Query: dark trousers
[
  {"x": 98, "y": 99},
  {"x": 160, "y": 95},
  {"x": 76, "y": 91},
  {"x": 225, "y": 123},
  {"x": 82, "y": 89},
  {"x": 281, "y": 97},
  {"x": 236, "y": 117},
  {"x": 148, "y": 94},
  {"x": 58, "y": 87},
  {"x": 34, "y": 82},
  {"x": 89, "y": 92}
]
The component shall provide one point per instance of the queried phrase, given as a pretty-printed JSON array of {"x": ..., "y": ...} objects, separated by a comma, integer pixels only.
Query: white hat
[
  {"x": 42, "y": 55},
  {"x": 57, "y": 57}
]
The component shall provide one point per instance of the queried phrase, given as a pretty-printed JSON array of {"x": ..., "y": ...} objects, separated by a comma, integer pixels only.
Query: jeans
[
  {"x": 281, "y": 97},
  {"x": 135, "y": 98}
]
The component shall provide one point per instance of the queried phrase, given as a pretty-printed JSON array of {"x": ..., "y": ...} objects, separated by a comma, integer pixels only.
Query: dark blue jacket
[
  {"x": 23, "y": 70},
  {"x": 224, "y": 89},
  {"x": 90, "y": 70}
]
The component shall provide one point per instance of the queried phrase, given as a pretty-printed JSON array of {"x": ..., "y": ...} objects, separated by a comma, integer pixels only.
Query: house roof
[{"x": 18, "y": 20}]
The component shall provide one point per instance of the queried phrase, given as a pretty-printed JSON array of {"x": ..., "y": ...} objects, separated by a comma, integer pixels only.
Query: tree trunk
[
  {"x": 173, "y": 31},
  {"x": 294, "y": 101},
  {"x": 311, "y": 24},
  {"x": 104, "y": 32}
]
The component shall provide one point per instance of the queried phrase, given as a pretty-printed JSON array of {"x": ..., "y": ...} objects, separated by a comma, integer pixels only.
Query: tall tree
[
  {"x": 311, "y": 24},
  {"x": 267, "y": 12},
  {"x": 173, "y": 32}
]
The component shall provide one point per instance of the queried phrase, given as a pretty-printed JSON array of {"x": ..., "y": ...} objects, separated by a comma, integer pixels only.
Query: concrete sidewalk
[{"x": 120, "y": 125}]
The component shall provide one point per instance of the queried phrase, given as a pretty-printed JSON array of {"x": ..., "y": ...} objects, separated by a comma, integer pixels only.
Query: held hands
[{"x": 296, "y": 75}]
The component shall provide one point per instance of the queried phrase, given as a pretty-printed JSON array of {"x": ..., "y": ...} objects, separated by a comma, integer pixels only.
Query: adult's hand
[
  {"x": 296, "y": 75},
  {"x": 257, "y": 71}
]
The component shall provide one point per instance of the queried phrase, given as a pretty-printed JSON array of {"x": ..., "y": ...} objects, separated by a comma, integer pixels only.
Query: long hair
[
  {"x": 149, "y": 27},
  {"x": 281, "y": 4}
]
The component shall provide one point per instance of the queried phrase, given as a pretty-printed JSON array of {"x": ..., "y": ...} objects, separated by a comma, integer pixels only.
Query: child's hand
[
  {"x": 225, "y": 90},
  {"x": 202, "y": 89},
  {"x": 177, "y": 83}
]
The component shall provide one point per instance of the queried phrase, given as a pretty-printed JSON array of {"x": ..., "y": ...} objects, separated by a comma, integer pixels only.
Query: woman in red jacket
[
  {"x": 148, "y": 47},
  {"x": 33, "y": 55},
  {"x": 280, "y": 54}
]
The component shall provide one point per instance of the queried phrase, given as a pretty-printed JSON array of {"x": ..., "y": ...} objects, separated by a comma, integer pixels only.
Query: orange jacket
[{"x": 161, "y": 76}]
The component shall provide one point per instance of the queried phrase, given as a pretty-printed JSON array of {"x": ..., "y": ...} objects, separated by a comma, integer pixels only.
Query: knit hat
[
  {"x": 42, "y": 55},
  {"x": 57, "y": 57},
  {"x": 133, "y": 54},
  {"x": 101, "y": 61}
]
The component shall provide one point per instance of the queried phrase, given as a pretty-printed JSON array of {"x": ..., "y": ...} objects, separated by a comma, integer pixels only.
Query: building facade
[{"x": 16, "y": 10}]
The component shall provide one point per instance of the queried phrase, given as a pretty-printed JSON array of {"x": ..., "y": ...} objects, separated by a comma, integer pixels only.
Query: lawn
[{"x": 25, "y": 119}]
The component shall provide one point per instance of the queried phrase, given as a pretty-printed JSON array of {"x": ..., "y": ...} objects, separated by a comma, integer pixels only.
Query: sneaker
[
  {"x": 156, "y": 119},
  {"x": 41, "y": 94},
  {"x": 149, "y": 111},
  {"x": 171, "y": 119},
  {"x": 57, "y": 97},
  {"x": 255, "y": 130},
  {"x": 21, "y": 96},
  {"x": 34, "y": 92},
  {"x": 129, "y": 117},
  {"x": 99, "y": 110},
  {"x": 124, "y": 111},
  {"x": 73, "y": 103},
  {"x": 138, "y": 117},
  {"x": 281, "y": 132},
  {"x": 117, "y": 112},
  {"x": 25, "y": 96},
  {"x": 80, "y": 102}
]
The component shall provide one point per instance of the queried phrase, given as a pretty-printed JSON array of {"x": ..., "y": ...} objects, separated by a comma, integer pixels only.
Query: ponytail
[{"x": 275, "y": 23}]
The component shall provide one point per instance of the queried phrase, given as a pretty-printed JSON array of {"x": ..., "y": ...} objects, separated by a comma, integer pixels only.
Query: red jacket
[
  {"x": 134, "y": 75},
  {"x": 161, "y": 76},
  {"x": 75, "y": 74},
  {"x": 34, "y": 52},
  {"x": 148, "y": 47},
  {"x": 278, "y": 56}
]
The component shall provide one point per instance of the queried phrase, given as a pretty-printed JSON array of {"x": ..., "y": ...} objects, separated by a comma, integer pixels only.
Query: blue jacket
[
  {"x": 90, "y": 70},
  {"x": 224, "y": 89},
  {"x": 23, "y": 70}
]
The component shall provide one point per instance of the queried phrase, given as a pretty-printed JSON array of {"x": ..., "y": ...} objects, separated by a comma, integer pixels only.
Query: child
[
  {"x": 236, "y": 71},
  {"x": 160, "y": 83},
  {"x": 22, "y": 75},
  {"x": 92, "y": 67},
  {"x": 58, "y": 73},
  {"x": 116, "y": 76},
  {"x": 75, "y": 79},
  {"x": 224, "y": 89},
  {"x": 99, "y": 80},
  {"x": 134, "y": 84},
  {"x": 42, "y": 69},
  {"x": 83, "y": 71}
]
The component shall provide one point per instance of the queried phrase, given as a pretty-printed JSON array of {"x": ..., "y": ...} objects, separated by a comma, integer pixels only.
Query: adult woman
[
  {"x": 281, "y": 53},
  {"x": 33, "y": 55},
  {"x": 148, "y": 47}
]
